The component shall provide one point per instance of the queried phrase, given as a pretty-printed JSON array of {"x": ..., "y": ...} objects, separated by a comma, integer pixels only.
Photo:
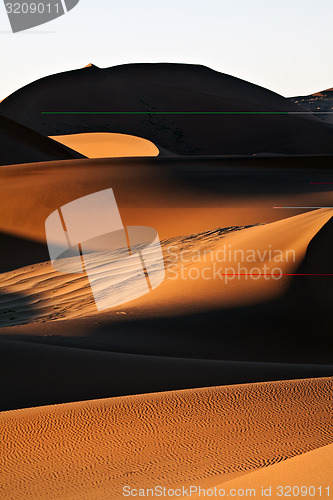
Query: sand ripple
[
  {"x": 38, "y": 293},
  {"x": 92, "y": 449}
]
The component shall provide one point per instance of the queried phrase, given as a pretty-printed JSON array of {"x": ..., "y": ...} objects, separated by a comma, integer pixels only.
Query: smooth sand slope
[
  {"x": 93, "y": 449},
  {"x": 107, "y": 145},
  {"x": 19, "y": 144},
  {"x": 309, "y": 476},
  {"x": 142, "y": 91}
]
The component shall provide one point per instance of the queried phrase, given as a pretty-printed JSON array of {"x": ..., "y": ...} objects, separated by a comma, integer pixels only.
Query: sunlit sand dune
[
  {"x": 190, "y": 203},
  {"x": 202, "y": 271},
  {"x": 174, "y": 196},
  {"x": 93, "y": 449},
  {"x": 107, "y": 145}
]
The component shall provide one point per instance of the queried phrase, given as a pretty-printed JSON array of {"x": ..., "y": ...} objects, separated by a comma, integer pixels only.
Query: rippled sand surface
[{"x": 93, "y": 449}]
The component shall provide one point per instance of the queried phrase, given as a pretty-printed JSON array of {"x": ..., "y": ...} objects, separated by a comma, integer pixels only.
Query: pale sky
[{"x": 283, "y": 45}]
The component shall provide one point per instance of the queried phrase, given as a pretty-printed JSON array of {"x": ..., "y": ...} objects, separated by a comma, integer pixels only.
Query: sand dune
[
  {"x": 39, "y": 293},
  {"x": 167, "y": 329},
  {"x": 174, "y": 196},
  {"x": 190, "y": 203},
  {"x": 308, "y": 475},
  {"x": 20, "y": 144},
  {"x": 93, "y": 449},
  {"x": 146, "y": 89},
  {"x": 319, "y": 103},
  {"x": 57, "y": 371},
  {"x": 290, "y": 237},
  {"x": 193, "y": 336},
  {"x": 98, "y": 145}
]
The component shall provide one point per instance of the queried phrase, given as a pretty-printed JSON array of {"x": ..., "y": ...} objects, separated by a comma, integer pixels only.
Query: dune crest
[{"x": 90, "y": 65}]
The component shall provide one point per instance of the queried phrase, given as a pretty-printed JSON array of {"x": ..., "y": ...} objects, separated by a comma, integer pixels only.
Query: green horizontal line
[{"x": 164, "y": 112}]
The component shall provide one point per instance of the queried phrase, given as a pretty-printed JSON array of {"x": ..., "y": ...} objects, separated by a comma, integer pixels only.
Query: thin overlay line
[{"x": 185, "y": 112}]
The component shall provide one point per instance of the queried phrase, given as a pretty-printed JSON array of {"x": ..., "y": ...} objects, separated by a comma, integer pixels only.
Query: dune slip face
[{"x": 93, "y": 449}]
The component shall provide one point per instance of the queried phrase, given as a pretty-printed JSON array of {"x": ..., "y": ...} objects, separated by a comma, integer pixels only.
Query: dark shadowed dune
[
  {"x": 319, "y": 103},
  {"x": 150, "y": 88},
  {"x": 19, "y": 144},
  {"x": 52, "y": 374}
]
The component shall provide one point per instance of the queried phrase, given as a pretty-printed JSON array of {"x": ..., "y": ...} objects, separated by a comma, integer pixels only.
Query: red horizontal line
[
  {"x": 270, "y": 274},
  {"x": 321, "y": 182}
]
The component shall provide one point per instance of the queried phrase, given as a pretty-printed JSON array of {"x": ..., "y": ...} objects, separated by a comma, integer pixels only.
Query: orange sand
[
  {"x": 190, "y": 280},
  {"x": 90, "y": 450},
  {"x": 107, "y": 145},
  {"x": 307, "y": 476}
]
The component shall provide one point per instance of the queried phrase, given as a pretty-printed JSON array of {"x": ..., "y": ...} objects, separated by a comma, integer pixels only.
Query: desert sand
[
  {"x": 48, "y": 316},
  {"x": 308, "y": 475},
  {"x": 107, "y": 145},
  {"x": 176, "y": 196},
  {"x": 200, "y": 437},
  {"x": 190, "y": 280},
  {"x": 213, "y": 379}
]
